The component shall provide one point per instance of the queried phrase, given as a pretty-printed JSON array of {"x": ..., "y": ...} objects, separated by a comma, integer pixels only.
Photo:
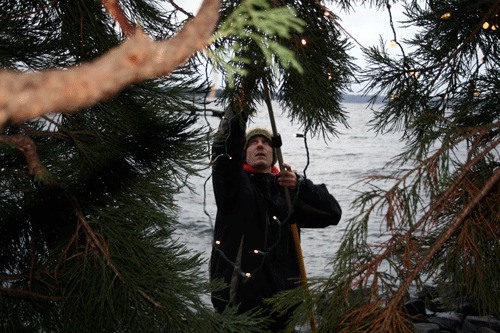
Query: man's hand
[{"x": 287, "y": 177}]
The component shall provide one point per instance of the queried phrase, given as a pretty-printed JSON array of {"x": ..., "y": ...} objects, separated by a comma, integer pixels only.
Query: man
[{"x": 254, "y": 251}]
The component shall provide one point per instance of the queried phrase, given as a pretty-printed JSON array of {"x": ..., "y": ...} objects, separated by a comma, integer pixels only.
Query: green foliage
[
  {"x": 314, "y": 97},
  {"x": 94, "y": 240},
  {"x": 86, "y": 243},
  {"x": 307, "y": 80},
  {"x": 91, "y": 248},
  {"x": 252, "y": 24},
  {"x": 438, "y": 207}
]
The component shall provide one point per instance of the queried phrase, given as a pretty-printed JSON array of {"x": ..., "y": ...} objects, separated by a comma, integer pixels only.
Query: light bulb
[
  {"x": 414, "y": 73},
  {"x": 303, "y": 41},
  {"x": 446, "y": 16}
]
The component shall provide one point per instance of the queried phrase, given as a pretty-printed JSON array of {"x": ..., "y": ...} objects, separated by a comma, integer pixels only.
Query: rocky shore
[{"x": 426, "y": 307}]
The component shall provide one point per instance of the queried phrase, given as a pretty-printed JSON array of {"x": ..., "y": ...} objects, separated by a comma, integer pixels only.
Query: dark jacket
[{"x": 254, "y": 251}]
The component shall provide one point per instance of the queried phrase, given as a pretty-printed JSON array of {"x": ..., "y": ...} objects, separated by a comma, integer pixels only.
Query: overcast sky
[{"x": 365, "y": 25}]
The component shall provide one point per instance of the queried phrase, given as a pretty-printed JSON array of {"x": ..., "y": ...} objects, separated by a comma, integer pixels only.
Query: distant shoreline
[
  {"x": 361, "y": 99},
  {"x": 347, "y": 98}
]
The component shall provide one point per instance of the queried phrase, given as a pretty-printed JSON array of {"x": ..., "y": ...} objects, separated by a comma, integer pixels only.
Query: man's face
[{"x": 259, "y": 154}]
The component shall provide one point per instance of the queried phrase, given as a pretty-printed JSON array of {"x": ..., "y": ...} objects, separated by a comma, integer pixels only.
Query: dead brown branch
[
  {"x": 98, "y": 242},
  {"x": 29, "y": 95},
  {"x": 27, "y": 146},
  {"x": 414, "y": 261},
  {"x": 117, "y": 13},
  {"x": 447, "y": 235}
]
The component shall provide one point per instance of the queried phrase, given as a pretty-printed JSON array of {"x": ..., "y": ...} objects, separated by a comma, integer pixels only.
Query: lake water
[{"x": 338, "y": 163}]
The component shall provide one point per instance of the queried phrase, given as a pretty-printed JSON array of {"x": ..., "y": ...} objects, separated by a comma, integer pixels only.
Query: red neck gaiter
[{"x": 248, "y": 168}]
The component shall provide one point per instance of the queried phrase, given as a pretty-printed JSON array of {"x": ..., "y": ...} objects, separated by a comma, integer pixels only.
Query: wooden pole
[{"x": 293, "y": 226}]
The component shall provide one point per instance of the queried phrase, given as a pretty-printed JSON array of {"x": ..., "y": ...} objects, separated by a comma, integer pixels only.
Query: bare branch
[
  {"x": 114, "y": 10},
  {"x": 182, "y": 10},
  {"x": 29, "y": 95}
]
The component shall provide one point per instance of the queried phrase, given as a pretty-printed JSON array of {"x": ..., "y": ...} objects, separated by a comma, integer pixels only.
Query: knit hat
[{"x": 262, "y": 132}]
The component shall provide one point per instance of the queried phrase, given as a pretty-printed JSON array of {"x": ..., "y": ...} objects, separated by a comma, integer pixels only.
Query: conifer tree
[
  {"x": 90, "y": 168},
  {"x": 95, "y": 143},
  {"x": 438, "y": 207},
  {"x": 88, "y": 184}
]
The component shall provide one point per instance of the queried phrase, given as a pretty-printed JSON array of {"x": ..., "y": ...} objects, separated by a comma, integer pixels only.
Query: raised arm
[{"x": 228, "y": 156}]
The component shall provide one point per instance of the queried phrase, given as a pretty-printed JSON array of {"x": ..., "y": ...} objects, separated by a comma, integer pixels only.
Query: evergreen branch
[
  {"x": 150, "y": 299},
  {"x": 73, "y": 240},
  {"x": 40, "y": 10},
  {"x": 102, "y": 248},
  {"x": 371, "y": 317},
  {"x": 494, "y": 9},
  {"x": 392, "y": 316},
  {"x": 28, "y": 294},
  {"x": 252, "y": 26},
  {"x": 116, "y": 12},
  {"x": 367, "y": 269},
  {"x": 441, "y": 201},
  {"x": 35, "y": 167},
  {"x": 29, "y": 95},
  {"x": 396, "y": 241},
  {"x": 441, "y": 65},
  {"x": 451, "y": 230},
  {"x": 54, "y": 130}
]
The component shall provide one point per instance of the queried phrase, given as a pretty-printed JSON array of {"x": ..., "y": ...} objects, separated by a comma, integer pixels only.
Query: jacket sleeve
[
  {"x": 316, "y": 207},
  {"x": 228, "y": 157}
]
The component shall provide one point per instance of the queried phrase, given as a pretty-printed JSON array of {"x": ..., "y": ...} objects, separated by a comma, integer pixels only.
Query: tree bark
[{"x": 25, "y": 96}]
